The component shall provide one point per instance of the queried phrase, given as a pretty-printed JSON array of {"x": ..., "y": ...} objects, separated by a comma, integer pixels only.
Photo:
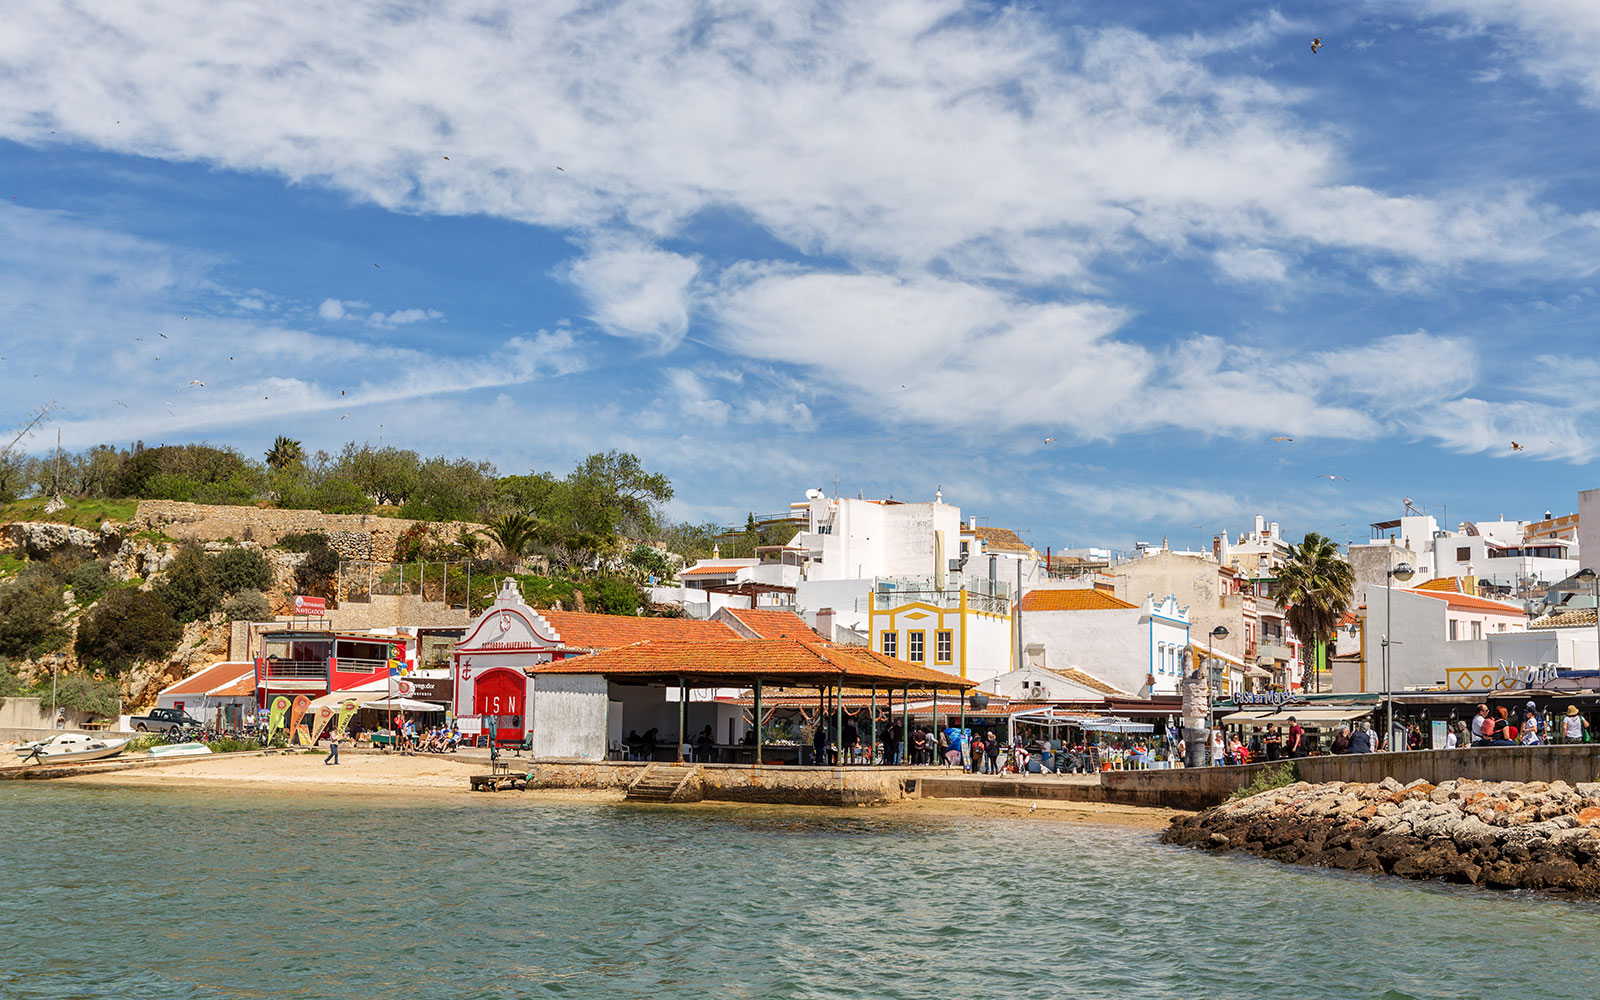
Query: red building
[{"x": 314, "y": 662}]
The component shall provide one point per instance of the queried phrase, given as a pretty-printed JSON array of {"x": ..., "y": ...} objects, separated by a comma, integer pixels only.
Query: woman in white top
[
  {"x": 1216, "y": 747},
  {"x": 1450, "y": 740},
  {"x": 1573, "y": 725}
]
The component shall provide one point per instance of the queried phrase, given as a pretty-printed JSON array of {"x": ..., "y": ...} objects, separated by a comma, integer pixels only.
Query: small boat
[
  {"x": 69, "y": 748},
  {"x": 178, "y": 750}
]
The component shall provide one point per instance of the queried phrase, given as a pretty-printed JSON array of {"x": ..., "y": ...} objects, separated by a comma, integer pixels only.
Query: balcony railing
[
  {"x": 352, "y": 665},
  {"x": 298, "y": 669}
]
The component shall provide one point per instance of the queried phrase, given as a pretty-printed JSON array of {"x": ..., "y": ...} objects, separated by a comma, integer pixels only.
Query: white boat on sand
[
  {"x": 68, "y": 748},
  {"x": 178, "y": 750}
]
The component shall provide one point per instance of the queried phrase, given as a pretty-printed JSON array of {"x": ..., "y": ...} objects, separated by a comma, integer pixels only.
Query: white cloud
[
  {"x": 331, "y": 309},
  {"x": 1554, "y": 40},
  {"x": 636, "y": 291},
  {"x": 403, "y": 317}
]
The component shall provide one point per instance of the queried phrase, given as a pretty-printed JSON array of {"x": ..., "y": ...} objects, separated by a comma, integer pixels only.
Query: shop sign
[{"x": 1250, "y": 698}]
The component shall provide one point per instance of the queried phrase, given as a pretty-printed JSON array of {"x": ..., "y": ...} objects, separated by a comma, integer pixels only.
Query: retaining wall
[
  {"x": 814, "y": 786},
  {"x": 354, "y": 536}
]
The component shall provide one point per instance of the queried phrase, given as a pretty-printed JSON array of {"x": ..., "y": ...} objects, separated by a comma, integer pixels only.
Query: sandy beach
[{"x": 426, "y": 775}]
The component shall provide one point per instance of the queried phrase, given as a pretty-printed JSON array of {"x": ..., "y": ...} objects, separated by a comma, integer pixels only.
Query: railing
[
  {"x": 301, "y": 669},
  {"x": 352, "y": 665}
]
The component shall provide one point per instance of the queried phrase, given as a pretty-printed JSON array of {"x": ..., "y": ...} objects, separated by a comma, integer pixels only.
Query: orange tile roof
[
  {"x": 583, "y": 630},
  {"x": 1074, "y": 599},
  {"x": 1087, "y": 680},
  {"x": 1564, "y": 619},
  {"x": 1469, "y": 602},
  {"x": 1449, "y": 584},
  {"x": 999, "y": 539},
  {"x": 768, "y": 624},
  {"x": 746, "y": 659},
  {"x": 215, "y": 676},
  {"x": 716, "y": 569}
]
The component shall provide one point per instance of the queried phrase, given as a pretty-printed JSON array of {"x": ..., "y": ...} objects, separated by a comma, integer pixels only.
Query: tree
[
  {"x": 316, "y": 576},
  {"x": 247, "y": 606},
  {"x": 1315, "y": 587},
  {"x": 30, "y": 612},
  {"x": 127, "y": 626},
  {"x": 190, "y": 588},
  {"x": 514, "y": 532},
  {"x": 612, "y": 493},
  {"x": 388, "y": 475},
  {"x": 79, "y": 692},
  {"x": 285, "y": 452}
]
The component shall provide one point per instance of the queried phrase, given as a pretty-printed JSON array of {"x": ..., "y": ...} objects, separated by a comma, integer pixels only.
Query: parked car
[{"x": 162, "y": 720}]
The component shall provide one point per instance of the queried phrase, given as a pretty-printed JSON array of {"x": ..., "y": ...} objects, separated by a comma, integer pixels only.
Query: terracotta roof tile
[
  {"x": 583, "y": 630},
  {"x": 716, "y": 569},
  {"x": 215, "y": 676},
  {"x": 1468, "y": 601},
  {"x": 1075, "y": 599},
  {"x": 999, "y": 539},
  {"x": 768, "y": 624},
  {"x": 1088, "y": 680},
  {"x": 1565, "y": 619},
  {"x": 746, "y": 659}
]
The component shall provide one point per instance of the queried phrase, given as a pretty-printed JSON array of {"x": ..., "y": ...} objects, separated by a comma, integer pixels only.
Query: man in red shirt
[{"x": 1297, "y": 739}]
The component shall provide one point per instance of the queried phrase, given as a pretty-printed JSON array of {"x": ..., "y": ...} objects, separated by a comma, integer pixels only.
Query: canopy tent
[
  {"x": 1093, "y": 723},
  {"x": 1310, "y": 718},
  {"x": 1118, "y": 726},
  {"x": 402, "y": 705}
]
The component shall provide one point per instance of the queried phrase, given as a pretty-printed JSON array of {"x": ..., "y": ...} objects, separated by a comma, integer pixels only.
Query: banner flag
[
  {"x": 280, "y": 707},
  {"x": 347, "y": 708},
  {"x": 301, "y": 703},
  {"x": 324, "y": 716},
  {"x": 303, "y": 735}
]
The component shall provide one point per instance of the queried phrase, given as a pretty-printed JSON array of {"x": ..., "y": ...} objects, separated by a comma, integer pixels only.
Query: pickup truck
[{"x": 161, "y": 720}]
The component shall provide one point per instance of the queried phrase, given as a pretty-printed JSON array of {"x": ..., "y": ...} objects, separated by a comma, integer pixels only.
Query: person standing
[
  {"x": 1217, "y": 749},
  {"x": 1477, "y": 722},
  {"x": 1574, "y": 727},
  {"x": 992, "y": 745},
  {"x": 1341, "y": 742},
  {"x": 333, "y": 748},
  {"x": 1297, "y": 738},
  {"x": 1274, "y": 743}
]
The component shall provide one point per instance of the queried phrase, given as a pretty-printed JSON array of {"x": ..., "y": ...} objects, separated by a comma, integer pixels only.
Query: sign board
[
  {"x": 1508, "y": 677},
  {"x": 304, "y": 605},
  {"x": 1266, "y": 698}
]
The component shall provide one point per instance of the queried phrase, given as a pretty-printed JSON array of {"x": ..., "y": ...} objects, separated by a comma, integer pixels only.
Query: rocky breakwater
[{"x": 1497, "y": 834}]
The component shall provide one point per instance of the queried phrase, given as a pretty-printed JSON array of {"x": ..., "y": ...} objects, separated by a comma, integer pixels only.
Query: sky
[{"x": 1098, "y": 272}]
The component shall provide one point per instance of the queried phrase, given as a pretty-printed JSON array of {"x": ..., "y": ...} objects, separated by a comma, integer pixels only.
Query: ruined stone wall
[{"x": 353, "y": 536}]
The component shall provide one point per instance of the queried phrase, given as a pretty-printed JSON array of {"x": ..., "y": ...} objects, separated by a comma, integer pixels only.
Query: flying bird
[
  {"x": 163, "y": 336},
  {"x": 1283, "y": 439},
  {"x": 379, "y": 268},
  {"x": 195, "y": 381},
  {"x": 562, "y": 170},
  {"x": 186, "y": 317},
  {"x": 1329, "y": 478},
  {"x": 120, "y": 403},
  {"x": 1049, "y": 440},
  {"x": 1316, "y": 43},
  {"x": 1515, "y": 446},
  {"x": 341, "y": 391},
  {"x": 447, "y": 157},
  {"x": 345, "y": 417}
]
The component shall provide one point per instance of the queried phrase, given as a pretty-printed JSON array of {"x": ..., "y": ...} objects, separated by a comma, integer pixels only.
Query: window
[
  {"x": 1463, "y": 553},
  {"x": 966, "y": 548},
  {"x": 942, "y": 646},
  {"x": 1452, "y": 628},
  {"x": 1477, "y": 630},
  {"x": 914, "y": 646},
  {"x": 891, "y": 644}
]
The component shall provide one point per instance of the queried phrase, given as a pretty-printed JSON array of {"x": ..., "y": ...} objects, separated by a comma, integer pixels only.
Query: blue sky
[{"x": 900, "y": 244}]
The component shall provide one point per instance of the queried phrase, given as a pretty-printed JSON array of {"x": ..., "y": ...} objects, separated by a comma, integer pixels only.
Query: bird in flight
[
  {"x": 1329, "y": 478},
  {"x": 163, "y": 336},
  {"x": 186, "y": 317},
  {"x": 341, "y": 392},
  {"x": 120, "y": 403},
  {"x": 1283, "y": 439},
  {"x": 195, "y": 381},
  {"x": 379, "y": 268},
  {"x": 446, "y": 157},
  {"x": 563, "y": 170},
  {"x": 1049, "y": 440},
  {"x": 1515, "y": 446},
  {"x": 345, "y": 417},
  {"x": 1316, "y": 43}
]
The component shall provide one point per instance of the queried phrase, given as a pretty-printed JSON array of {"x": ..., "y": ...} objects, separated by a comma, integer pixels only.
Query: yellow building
[{"x": 967, "y": 632}]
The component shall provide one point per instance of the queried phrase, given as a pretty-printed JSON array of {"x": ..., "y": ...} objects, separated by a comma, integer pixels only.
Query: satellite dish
[{"x": 814, "y": 494}]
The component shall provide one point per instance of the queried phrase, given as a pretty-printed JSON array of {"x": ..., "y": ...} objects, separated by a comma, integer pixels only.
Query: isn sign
[{"x": 304, "y": 605}]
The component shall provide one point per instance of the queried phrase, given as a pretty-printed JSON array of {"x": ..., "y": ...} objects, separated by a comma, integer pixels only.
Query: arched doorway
[{"x": 502, "y": 693}]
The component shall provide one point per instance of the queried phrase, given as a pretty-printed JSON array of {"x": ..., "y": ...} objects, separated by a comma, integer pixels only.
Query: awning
[
  {"x": 1310, "y": 718},
  {"x": 403, "y": 705},
  {"x": 1094, "y": 723}
]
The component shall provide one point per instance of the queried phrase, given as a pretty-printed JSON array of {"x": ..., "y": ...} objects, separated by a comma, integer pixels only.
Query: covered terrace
[{"x": 839, "y": 673}]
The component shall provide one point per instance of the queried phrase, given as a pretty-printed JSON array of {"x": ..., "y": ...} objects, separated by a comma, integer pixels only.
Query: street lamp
[
  {"x": 1587, "y": 575},
  {"x": 1402, "y": 573},
  {"x": 1220, "y": 632}
]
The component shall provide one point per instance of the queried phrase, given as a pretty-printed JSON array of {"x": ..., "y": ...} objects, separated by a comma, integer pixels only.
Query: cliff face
[{"x": 1503, "y": 835}]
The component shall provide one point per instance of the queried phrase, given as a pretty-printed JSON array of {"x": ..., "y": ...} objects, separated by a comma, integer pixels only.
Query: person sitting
[
  {"x": 1341, "y": 742},
  {"x": 705, "y": 745}
]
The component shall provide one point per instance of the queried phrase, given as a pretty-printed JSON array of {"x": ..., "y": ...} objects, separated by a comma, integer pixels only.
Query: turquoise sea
[{"x": 156, "y": 893}]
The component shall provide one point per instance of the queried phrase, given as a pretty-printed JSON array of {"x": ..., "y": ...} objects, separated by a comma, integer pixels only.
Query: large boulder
[{"x": 43, "y": 539}]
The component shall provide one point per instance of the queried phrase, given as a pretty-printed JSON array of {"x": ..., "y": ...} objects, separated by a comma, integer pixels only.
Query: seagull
[
  {"x": 195, "y": 381},
  {"x": 1515, "y": 446},
  {"x": 379, "y": 268},
  {"x": 1049, "y": 440},
  {"x": 447, "y": 157},
  {"x": 345, "y": 417},
  {"x": 186, "y": 317},
  {"x": 341, "y": 391},
  {"x": 1283, "y": 439},
  {"x": 1316, "y": 43},
  {"x": 562, "y": 170},
  {"x": 120, "y": 403},
  {"x": 1329, "y": 478},
  {"x": 163, "y": 336}
]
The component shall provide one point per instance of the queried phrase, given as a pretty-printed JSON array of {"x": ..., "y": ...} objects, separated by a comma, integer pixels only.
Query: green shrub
[
  {"x": 190, "y": 587},
  {"x": 79, "y": 692},
  {"x": 127, "y": 625},
  {"x": 315, "y": 576},
  {"x": 143, "y": 742},
  {"x": 229, "y": 744},
  {"x": 169, "y": 486},
  {"x": 247, "y": 606},
  {"x": 239, "y": 570},
  {"x": 89, "y": 580},
  {"x": 30, "y": 612},
  {"x": 1267, "y": 779}
]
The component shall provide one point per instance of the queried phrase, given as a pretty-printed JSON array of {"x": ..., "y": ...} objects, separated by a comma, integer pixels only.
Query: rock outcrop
[
  {"x": 42, "y": 539},
  {"x": 1502, "y": 835}
]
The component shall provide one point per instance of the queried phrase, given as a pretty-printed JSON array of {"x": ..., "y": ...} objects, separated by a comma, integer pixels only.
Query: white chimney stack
[{"x": 825, "y": 623}]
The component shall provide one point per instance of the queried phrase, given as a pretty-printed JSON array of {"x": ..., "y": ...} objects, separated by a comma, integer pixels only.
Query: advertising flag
[
  {"x": 324, "y": 716},
  {"x": 280, "y": 708},
  {"x": 301, "y": 703},
  {"x": 347, "y": 709}
]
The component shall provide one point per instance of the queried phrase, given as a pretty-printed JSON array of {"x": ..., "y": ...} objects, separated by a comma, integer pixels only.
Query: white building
[
  {"x": 1513, "y": 558},
  {"x": 1137, "y": 648},
  {"x": 1257, "y": 553},
  {"x": 1436, "y": 632}
]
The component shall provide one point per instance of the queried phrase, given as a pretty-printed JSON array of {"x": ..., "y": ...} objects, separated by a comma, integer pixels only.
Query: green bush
[
  {"x": 315, "y": 576},
  {"x": 239, "y": 570},
  {"x": 190, "y": 587},
  {"x": 127, "y": 625},
  {"x": 143, "y": 742},
  {"x": 89, "y": 580},
  {"x": 10, "y": 681},
  {"x": 247, "y": 606},
  {"x": 229, "y": 744},
  {"x": 81, "y": 693},
  {"x": 1267, "y": 779},
  {"x": 612, "y": 596},
  {"x": 30, "y": 612},
  {"x": 169, "y": 486}
]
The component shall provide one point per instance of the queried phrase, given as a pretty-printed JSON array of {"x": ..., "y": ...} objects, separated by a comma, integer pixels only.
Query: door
[{"x": 503, "y": 694}]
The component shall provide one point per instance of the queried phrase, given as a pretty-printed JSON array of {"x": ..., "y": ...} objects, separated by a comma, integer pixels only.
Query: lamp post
[
  {"x": 1402, "y": 573},
  {"x": 1220, "y": 632}
]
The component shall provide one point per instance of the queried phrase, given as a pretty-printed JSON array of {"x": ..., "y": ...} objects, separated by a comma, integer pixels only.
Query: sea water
[{"x": 155, "y": 893}]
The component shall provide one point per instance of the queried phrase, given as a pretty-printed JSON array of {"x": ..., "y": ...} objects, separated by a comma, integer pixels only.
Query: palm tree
[
  {"x": 514, "y": 532},
  {"x": 1315, "y": 587},
  {"x": 285, "y": 452}
]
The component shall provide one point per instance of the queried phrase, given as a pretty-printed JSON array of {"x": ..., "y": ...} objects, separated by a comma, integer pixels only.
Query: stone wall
[
  {"x": 354, "y": 536},
  {"x": 821, "y": 786}
]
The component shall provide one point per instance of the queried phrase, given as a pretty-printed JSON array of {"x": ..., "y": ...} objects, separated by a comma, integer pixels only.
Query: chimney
[
  {"x": 972, "y": 522},
  {"x": 1261, "y": 525},
  {"x": 1275, "y": 532},
  {"x": 825, "y": 623},
  {"x": 939, "y": 579}
]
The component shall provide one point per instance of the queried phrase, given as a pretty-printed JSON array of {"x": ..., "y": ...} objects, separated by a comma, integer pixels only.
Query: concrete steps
[{"x": 661, "y": 783}]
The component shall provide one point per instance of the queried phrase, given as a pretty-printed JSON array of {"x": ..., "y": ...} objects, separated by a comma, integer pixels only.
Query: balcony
[{"x": 313, "y": 670}]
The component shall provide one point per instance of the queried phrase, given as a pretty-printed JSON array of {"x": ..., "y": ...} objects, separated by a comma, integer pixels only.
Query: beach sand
[{"x": 430, "y": 776}]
